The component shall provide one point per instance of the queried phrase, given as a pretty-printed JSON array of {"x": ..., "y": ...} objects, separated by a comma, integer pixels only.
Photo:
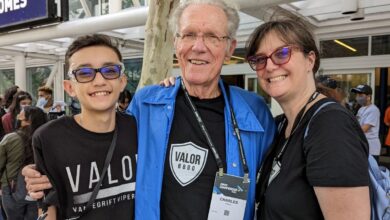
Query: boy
[{"x": 72, "y": 151}]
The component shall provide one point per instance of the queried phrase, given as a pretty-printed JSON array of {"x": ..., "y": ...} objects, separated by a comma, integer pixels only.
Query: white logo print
[{"x": 187, "y": 161}]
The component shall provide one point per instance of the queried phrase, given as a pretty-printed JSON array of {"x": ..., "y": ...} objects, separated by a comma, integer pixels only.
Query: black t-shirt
[
  {"x": 333, "y": 154},
  {"x": 73, "y": 159},
  {"x": 190, "y": 165}
]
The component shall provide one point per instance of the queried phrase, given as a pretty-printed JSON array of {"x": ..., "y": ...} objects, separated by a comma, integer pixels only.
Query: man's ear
[
  {"x": 69, "y": 88},
  {"x": 231, "y": 49}
]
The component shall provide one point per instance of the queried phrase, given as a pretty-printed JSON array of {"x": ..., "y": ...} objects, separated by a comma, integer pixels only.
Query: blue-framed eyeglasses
[{"x": 88, "y": 74}]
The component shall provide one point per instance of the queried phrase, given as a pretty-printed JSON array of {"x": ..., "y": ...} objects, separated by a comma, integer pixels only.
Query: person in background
[
  {"x": 328, "y": 87},
  {"x": 386, "y": 120},
  {"x": 45, "y": 98},
  {"x": 8, "y": 97},
  {"x": 319, "y": 175},
  {"x": 16, "y": 152},
  {"x": 368, "y": 117},
  {"x": 20, "y": 100},
  {"x": 4, "y": 105},
  {"x": 124, "y": 100}
]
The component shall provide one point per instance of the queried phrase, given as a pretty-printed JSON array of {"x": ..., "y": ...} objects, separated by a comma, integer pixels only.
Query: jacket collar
[{"x": 245, "y": 117}]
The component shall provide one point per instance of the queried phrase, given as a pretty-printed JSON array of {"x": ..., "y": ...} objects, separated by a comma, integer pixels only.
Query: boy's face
[{"x": 100, "y": 94}]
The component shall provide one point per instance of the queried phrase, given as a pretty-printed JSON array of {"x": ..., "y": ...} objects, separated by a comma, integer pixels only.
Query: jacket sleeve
[{"x": 3, "y": 156}]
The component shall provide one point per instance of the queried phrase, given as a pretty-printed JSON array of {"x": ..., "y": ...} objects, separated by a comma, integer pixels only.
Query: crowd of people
[{"x": 195, "y": 147}]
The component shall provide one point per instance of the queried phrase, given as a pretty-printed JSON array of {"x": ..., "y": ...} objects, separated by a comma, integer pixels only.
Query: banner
[{"x": 23, "y": 13}]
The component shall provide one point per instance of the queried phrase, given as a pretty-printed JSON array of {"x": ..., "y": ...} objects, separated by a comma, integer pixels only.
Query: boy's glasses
[
  {"x": 88, "y": 74},
  {"x": 280, "y": 56}
]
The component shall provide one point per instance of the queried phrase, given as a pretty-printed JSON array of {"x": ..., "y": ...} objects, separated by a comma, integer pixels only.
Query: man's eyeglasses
[
  {"x": 280, "y": 56},
  {"x": 209, "y": 39},
  {"x": 88, "y": 74}
]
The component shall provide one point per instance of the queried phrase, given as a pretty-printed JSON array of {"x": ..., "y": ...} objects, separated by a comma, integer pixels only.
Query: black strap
[
  {"x": 238, "y": 135},
  {"x": 106, "y": 164},
  {"x": 204, "y": 129},
  {"x": 207, "y": 136}
]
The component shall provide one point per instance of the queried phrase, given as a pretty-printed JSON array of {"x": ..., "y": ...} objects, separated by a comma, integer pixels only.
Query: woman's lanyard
[
  {"x": 276, "y": 164},
  {"x": 210, "y": 142}
]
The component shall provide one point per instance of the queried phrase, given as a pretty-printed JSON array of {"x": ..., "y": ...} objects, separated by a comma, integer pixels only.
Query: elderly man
[
  {"x": 200, "y": 134},
  {"x": 186, "y": 132}
]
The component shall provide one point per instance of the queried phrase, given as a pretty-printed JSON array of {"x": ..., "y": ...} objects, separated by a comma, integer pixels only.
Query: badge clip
[
  {"x": 246, "y": 178},
  {"x": 220, "y": 172}
]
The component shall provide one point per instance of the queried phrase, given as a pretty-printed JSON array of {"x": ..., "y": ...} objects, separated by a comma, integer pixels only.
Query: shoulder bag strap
[{"x": 106, "y": 164}]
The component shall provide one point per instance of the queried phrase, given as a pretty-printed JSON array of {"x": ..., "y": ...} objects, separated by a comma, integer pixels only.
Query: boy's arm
[{"x": 51, "y": 213}]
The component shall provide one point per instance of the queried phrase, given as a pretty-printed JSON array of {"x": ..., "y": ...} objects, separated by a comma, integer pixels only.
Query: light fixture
[
  {"x": 238, "y": 58},
  {"x": 345, "y": 45},
  {"x": 359, "y": 15},
  {"x": 349, "y": 6}
]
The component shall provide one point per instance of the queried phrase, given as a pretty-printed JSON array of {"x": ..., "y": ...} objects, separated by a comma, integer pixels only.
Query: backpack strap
[{"x": 323, "y": 105}]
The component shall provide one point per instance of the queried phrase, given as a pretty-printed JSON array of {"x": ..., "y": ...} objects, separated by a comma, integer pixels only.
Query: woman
[
  {"x": 325, "y": 174},
  {"x": 15, "y": 153},
  {"x": 20, "y": 100}
]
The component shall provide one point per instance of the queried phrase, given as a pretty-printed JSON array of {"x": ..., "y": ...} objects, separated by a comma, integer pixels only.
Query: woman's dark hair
[
  {"x": 37, "y": 117},
  {"x": 14, "y": 108},
  {"x": 290, "y": 28},
  {"x": 124, "y": 95},
  {"x": 9, "y": 95},
  {"x": 89, "y": 41}
]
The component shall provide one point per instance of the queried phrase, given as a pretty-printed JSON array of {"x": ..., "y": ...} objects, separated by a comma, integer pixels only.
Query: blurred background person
[
  {"x": 330, "y": 88},
  {"x": 124, "y": 100},
  {"x": 5, "y": 104},
  {"x": 386, "y": 120},
  {"x": 368, "y": 117},
  {"x": 15, "y": 153},
  {"x": 20, "y": 100},
  {"x": 45, "y": 98}
]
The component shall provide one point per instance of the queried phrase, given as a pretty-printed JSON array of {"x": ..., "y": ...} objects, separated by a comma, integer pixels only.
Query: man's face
[
  {"x": 200, "y": 61},
  {"x": 100, "y": 94},
  {"x": 42, "y": 94}
]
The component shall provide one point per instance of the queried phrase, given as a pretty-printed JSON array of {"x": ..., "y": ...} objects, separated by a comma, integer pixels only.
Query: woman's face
[
  {"x": 25, "y": 102},
  {"x": 288, "y": 80}
]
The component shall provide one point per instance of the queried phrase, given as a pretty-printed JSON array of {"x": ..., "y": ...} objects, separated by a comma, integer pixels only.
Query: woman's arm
[{"x": 344, "y": 202}]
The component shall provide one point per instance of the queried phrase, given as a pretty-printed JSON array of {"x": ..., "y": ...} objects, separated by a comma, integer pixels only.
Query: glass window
[
  {"x": 36, "y": 77},
  {"x": 133, "y": 69},
  {"x": 253, "y": 86},
  {"x": 349, "y": 47},
  {"x": 380, "y": 45},
  {"x": 7, "y": 79},
  {"x": 237, "y": 57}
]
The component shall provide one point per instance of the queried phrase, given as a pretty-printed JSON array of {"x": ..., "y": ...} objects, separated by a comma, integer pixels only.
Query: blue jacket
[{"x": 153, "y": 108}]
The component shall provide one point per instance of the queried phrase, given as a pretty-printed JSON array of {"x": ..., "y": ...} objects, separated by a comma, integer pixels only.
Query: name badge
[{"x": 229, "y": 198}]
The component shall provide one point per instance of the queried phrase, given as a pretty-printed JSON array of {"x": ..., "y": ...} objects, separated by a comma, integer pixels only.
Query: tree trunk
[{"x": 158, "y": 48}]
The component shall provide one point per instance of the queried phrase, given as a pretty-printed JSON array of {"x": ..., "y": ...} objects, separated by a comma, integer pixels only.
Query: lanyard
[
  {"x": 210, "y": 142},
  {"x": 296, "y": 124}
]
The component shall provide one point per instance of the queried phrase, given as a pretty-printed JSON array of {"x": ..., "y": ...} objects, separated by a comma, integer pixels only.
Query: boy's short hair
[
  {"x": 88, "y": 41},
  {"x": 46, "y": 89}
]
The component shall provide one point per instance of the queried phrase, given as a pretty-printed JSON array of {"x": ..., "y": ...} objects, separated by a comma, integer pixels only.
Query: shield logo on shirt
[{"x": 187, "y": 161}]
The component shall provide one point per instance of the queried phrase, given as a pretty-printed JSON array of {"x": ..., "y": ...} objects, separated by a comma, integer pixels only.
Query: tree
[{"x": 158, "y": 48}]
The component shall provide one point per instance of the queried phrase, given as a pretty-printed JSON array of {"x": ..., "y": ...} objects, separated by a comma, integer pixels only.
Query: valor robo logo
[{"x": 187, "y": 161}]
